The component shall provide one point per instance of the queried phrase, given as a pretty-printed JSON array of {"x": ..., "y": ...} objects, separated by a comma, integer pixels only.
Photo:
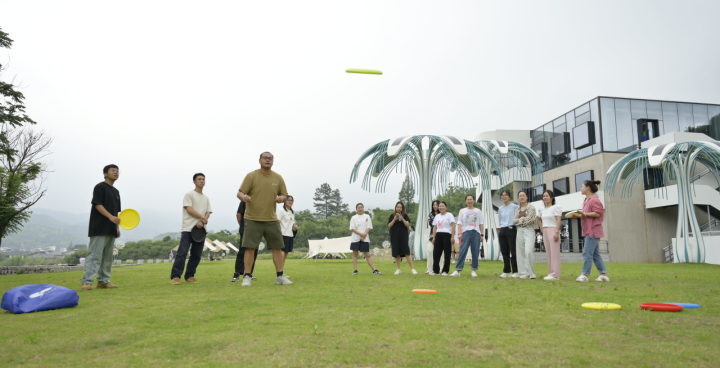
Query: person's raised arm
[{"x": 392, "y": 220}]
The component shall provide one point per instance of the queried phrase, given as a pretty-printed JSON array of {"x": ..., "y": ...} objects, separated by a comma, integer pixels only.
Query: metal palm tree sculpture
[
  {"x": 518, "y": 162},
  {"x": 429, "y": 170},
  {"x": 678, "y": 160}
]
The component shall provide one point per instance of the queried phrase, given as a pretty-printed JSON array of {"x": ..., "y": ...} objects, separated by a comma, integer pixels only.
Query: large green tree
[
  {"x": 21, "y": 149},
  {"x": 328, "y": 202},
  {"x": 407, "y": 194}
]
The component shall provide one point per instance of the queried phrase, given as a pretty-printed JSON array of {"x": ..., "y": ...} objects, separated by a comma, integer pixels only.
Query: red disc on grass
[{"x": 661, "y": 307}]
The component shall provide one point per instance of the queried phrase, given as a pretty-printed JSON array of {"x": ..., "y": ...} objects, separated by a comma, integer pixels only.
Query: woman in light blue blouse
[{"x": 507, "y": 234}]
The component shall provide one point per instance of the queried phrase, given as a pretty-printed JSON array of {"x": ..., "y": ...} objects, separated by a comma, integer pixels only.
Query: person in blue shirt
[{"x": 507, "y": 234}]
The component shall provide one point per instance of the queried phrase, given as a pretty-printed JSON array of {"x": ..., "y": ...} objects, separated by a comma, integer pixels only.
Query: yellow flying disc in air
[
  {"x": 602, "y": 306},
  {"x": 129, "y": 219},
  {"x": 364, "y": 71}
]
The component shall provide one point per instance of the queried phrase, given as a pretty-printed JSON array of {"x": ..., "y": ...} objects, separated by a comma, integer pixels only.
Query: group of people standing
[{"x": 519, "y": 222}]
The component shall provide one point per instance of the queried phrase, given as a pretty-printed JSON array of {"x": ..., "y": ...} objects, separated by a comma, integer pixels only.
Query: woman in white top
[
  {"x": 443, "y": 238},
  {"x": 471, "y": 221},
  {"x": 550, "y": 222},
  {"x": 525, "y": 220},
  {"x": 286, "y": 217},
  {"x": 360, "y": 226}
]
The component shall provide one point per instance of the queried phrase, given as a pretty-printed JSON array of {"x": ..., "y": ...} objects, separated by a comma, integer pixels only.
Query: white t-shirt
[
  {"x": 548, "y": 215},
  {"x": 360, "y": 223},
  {"x": 287, "y": 220},
  {"x": 200, "y": 203},
  {"x": 470, "y": 219},
  {"x": 444, "y": 223}
]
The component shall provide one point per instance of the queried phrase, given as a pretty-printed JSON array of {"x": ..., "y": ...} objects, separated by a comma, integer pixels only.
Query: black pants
[
  {"x": 507, "y": 238},
  {"x": 442, "y": 245},
  {"x": 240, "y": 260},
  {"x": 195, "y": 248}
]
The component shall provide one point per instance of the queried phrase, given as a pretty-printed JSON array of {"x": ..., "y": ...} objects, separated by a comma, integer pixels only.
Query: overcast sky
[{"x": 167, "y": 89}]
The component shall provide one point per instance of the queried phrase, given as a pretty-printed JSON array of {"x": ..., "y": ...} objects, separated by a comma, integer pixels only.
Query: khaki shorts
[
  {"x": 456, "y": 248},
  {"x": 256, "y": 230}
]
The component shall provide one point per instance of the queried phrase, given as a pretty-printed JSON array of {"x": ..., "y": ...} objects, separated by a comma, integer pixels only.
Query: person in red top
[{"x": 591, "y": 218}]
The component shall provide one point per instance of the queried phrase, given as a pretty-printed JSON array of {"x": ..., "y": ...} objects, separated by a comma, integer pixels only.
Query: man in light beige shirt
[{"x": 195, "y": 214}]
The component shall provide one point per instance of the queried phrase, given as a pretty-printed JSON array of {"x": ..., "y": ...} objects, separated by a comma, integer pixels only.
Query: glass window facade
[{"x": 616, "y": 125}]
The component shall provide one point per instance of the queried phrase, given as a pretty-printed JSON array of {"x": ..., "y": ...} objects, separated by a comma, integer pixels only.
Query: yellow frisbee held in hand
[
  {"x": 129, "y": 219},
  {"x": 364, "y": 71},
  {"x": 602, "y": 306}
]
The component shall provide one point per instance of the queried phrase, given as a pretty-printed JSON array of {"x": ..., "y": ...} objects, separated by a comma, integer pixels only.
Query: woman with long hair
[
  {"x": 398, "y": 224},
  {"x": 429, "y": 253},
  {"x": 526, "y": 222},
  {"x": 508, "y": 234},
  {"x": 591, "y": 218},
  {"x": 550, "y": 222},
  {"x": 443, "y": 236},
  {"x": 286, "y": 217}
]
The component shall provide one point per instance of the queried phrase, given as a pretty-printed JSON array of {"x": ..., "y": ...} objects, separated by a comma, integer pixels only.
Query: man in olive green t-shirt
[{"x": 261, "y": 190}]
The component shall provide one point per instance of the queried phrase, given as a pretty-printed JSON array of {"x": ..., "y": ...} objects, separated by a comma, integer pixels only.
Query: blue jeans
[
  {"x": 471, "y": 239},
  {"x": 195, "y": 249},
  {"x": 591, "y": 252}
]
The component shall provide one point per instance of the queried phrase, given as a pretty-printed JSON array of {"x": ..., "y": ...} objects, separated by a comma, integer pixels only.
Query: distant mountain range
[{"x": 57, "y": 228}]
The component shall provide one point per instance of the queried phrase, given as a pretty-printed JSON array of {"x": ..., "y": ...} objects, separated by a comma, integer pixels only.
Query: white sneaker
[
  {"x": 602, "y": 278},
  {"x": 532, "y": 277},
  {"x": 427, "y": 271},
  {"x": 582, "y": 278},
  {"x": 444, "y": 274},
  {"x": 473, "y": 274},
  {"x": 516, "y": 275},
  {"x": 282, "y": 280},
  {"x": 455, "y": 274},
  {"x": 414, "y": 272},
  {"x": 431, "y": 273},
  {"x": 550, "y": 278},
  {"x": 397, "y": 272},
  {"x": 523, "y": 277},
  {"x": 505, "y": 275},
  {"x": 247, "y": 281},
  {"x": 453, "y": 261}
]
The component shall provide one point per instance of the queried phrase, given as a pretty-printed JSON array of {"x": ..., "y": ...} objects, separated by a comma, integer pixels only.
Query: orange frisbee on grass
[{"x": 425, "y": 291}]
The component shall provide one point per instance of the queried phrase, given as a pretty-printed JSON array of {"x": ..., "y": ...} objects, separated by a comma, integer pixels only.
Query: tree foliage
[
  {"x": 328, "y": 202},
  {"x": 21, "y": 172},
  {"x": 407, "y": 194},
  {"x": 454, "y": 196}
]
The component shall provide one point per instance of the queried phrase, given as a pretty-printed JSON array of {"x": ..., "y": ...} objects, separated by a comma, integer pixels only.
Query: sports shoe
[
  {"x": 254, "y": 278},
  {"x": 191, "y": 280},
  {"x": 286, "y": 275},
  {"x": 582, "y": 278},
  {"x": 432, "y": 273},
  {"x": 455, "y": 274},
  {"x": 516, "y": 275},
  {"x": 601, "y": 278},
  {"x": 413, "y": 271},
  {"x": 427, "y": 271},
  {"x": 87, "y": 286},
  {"x": 473, "y": 274},
  {"x": 376, "y": 272},
  {"x": 106, "y": 286},
  {"x": 523, "y": 276},
  {"x": 235, "y": 278},
  {"x": 444, "y": 274},
  {"x": 355, "y": 273},
  {"x": 532, "y": 277},
  {"x": 282, "y": 280},
  {"x": 551, "y": 278},
  {"x": 453, "y": 261},
  {"x": 397, "y": 272},
  {"x": 247, "y": 281},
  {"x": 505, "y": 275},
  {"x": 175, "y": 281}
]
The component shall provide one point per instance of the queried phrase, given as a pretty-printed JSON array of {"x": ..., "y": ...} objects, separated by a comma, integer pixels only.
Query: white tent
[
  {"x": 229, "y": 245},
  {"x": 336, "y": 246},
  {"x": 220, "y": 245},
  {"x": 209, "y": 246}
]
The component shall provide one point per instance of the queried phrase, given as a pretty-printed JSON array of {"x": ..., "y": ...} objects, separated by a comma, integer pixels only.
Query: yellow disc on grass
[
  {"x": 129, "y": 219},
  {"x": 602, "y": 306},
  {"x": 364, "y": 71}
]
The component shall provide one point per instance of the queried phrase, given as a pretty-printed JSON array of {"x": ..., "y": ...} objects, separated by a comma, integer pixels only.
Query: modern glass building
[{"x": 610, "y": 124}]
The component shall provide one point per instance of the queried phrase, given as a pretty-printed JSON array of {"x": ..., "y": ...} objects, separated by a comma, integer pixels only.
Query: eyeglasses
[{"x": 267, "y": 158}]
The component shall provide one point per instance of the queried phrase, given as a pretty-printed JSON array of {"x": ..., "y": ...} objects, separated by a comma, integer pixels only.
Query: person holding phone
[{"x": 399, "y": 222}]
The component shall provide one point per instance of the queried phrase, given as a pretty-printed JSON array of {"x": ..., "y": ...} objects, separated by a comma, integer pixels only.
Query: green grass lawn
[{"x": 330, "y": 318}]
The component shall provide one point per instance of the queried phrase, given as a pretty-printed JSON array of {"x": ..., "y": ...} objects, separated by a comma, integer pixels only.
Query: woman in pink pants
[{"x": 550, "y": 223}]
